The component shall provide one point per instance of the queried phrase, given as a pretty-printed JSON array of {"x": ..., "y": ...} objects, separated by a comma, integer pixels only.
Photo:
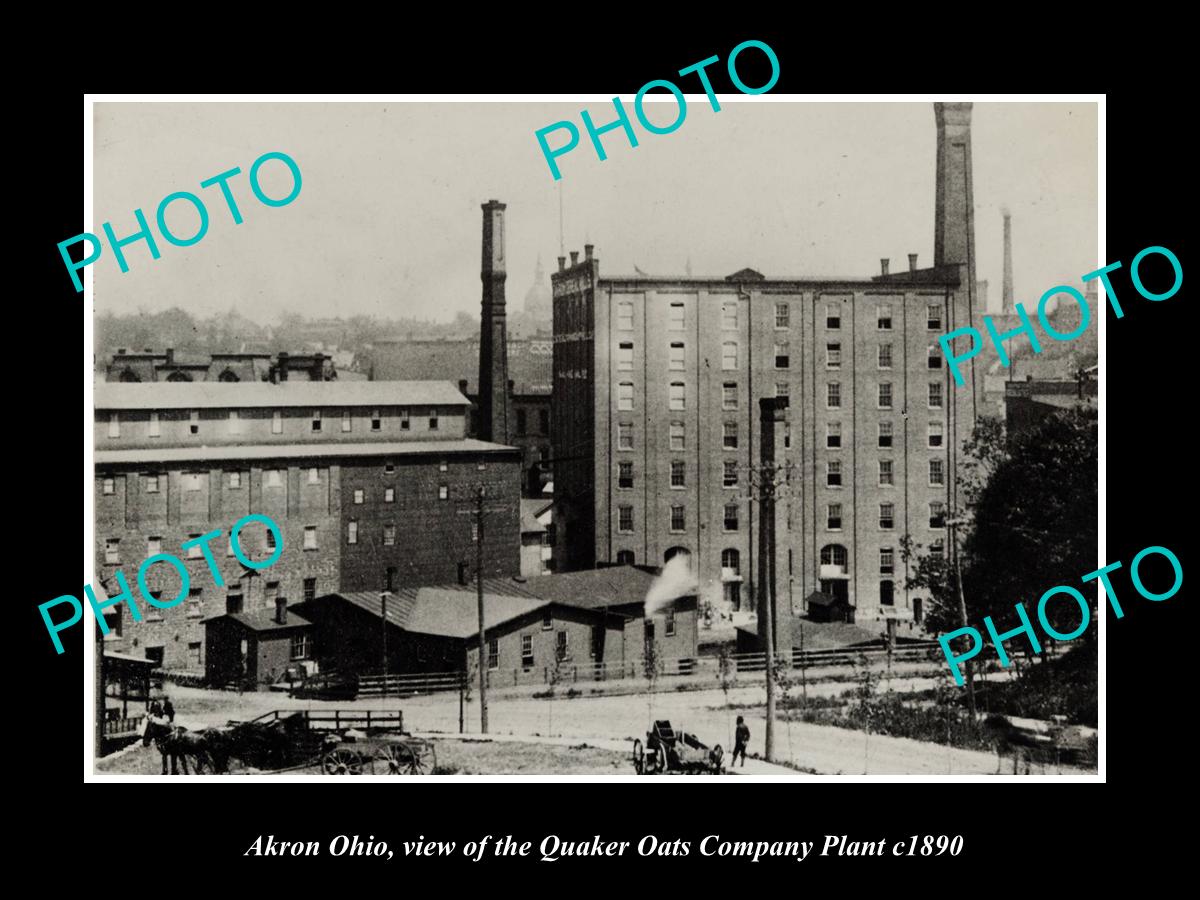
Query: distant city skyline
[{"x": 387, "y": 223}]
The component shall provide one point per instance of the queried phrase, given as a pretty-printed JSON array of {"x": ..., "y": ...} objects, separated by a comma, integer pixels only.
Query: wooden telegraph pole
[
  {"x": 383, "y": 610},
  {"x": 483, "y": 723},
  {"x": 768, "y": 480},
  {"x": 952, "y": 524},
  {"x": 477, "y": 511}
]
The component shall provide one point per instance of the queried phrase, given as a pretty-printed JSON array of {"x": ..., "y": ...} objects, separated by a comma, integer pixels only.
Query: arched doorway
[
  {"x": 128, "y": 376},
  {"x": 673, "y": 552},
  {"x": 835, "y": 572},
  {"x": 179, "y": 376},
  {"x": 228, "y": 375},
  {"x": 731, "y": 578}
]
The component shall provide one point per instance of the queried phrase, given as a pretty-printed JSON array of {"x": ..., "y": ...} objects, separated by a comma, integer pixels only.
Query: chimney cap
[{"x": 912, "y": 262}]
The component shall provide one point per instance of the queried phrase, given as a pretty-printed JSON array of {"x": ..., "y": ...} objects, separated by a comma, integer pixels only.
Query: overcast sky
[{"x": 388, "y": 220}]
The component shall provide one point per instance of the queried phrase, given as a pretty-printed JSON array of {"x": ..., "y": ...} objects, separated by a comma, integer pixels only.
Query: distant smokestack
[
  {"x": 883, "y": 265},
  {"x": 493, "y": 343},
  {"x": 912, "y": 262},
  {"x": 281, "y": 610},
  {"x": 562, "y": 263},
  {"x": 1006, "y": 291},
  {"x": 574, "y": 257},
  {"x": 587, "y": 250}
]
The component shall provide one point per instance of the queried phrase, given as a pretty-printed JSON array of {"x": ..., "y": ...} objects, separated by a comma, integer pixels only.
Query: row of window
[
  {"x": 112, "y": 546},
  {"x": 389, "y": 534},
  {"x": 731, "y": 521},
  {"x": 887, "y": 516},
  {"x": 272, "y": 478},
  {"x": 316, "y": 422},
  {"x": 887, "y": 473},
  {"x": 729, "y": 358},
  {"x": 676, "y": 315},
  {"x": 677, "y": 437},
  {"x": 677, "y": 394}
]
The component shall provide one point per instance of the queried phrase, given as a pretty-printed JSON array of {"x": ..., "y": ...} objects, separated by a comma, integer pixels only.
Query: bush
[
  {"x": 899, "y": 716},
  {"x": 1065, "y": 686}
]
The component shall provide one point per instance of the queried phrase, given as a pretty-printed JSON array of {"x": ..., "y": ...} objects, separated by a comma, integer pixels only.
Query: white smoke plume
[{"x": 677, "y": 580}]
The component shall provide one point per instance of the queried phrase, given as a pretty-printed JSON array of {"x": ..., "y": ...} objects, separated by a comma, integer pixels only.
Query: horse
[
  {"x": 167, "y": 739},
  {"x": 209, "y": 747}
]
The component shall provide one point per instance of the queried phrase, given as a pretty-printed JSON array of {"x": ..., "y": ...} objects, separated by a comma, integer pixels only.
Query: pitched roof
[
  {"x": 593, "y": 588},
  {"x": 824, "y": 635},
  {"x": 442, "y": 611},
  {"x": 298, "y": 451},
  {"x": 245, "y": 395},
  {"x": 455, "y": 613},
  {"x": 530, "y": 362},
  {"x": 263, "y": 620}
]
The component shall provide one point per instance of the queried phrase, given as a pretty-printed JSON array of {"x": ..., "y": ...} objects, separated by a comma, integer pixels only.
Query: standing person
[
  {"x": 169, "y": 710},
  {"x": 741, "y": 737}
]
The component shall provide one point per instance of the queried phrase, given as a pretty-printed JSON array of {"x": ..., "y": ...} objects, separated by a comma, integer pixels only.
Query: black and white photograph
[{"x": 473, "y": 437}]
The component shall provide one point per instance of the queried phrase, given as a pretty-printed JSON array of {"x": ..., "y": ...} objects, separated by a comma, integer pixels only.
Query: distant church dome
[{"x": 538, "y": 297}]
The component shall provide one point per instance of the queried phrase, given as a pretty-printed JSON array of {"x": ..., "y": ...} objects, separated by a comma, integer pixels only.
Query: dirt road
[{"x": 815, "y": 748}]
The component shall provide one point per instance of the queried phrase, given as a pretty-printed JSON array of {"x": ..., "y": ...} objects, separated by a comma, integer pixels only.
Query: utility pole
[
  {"x": 476, "y": 511},
  {"x": 479, "y": 590},
  {"x": 767, "y": 481},
  {"x": 383, "y": 610},
  {"x": 953, "y": 524}
]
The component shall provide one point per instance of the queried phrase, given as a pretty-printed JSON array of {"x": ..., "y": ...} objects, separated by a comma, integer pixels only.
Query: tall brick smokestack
[
  {"x": 493, "y": 337},
  {"x": 954, "y": 248},
  {"x": 954, "y": 214},
  {"x": 1006, "y": 297}
]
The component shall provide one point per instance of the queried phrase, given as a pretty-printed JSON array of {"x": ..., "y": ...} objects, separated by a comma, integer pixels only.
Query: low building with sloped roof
[
  {"x": 575, "y": 623},
  {"x": 257, "y": 647}
]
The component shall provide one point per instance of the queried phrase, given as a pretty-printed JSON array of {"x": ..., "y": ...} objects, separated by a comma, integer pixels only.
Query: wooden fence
[
  {"x": 337, "y": 719},
  {"x": 567, "y": 672}
]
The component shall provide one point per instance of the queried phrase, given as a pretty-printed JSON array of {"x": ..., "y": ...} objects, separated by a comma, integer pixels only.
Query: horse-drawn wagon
[
  {"x": 344, "y": 742},
  {"x": 337, "y": 741},
  {"x": 667, "y": 751}
]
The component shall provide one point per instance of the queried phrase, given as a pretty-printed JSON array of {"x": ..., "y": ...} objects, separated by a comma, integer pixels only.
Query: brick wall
[{"x": 431, "y": 535}]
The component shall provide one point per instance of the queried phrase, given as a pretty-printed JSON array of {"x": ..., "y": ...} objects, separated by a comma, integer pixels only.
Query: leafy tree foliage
[{"x": 1029, "y": 524}]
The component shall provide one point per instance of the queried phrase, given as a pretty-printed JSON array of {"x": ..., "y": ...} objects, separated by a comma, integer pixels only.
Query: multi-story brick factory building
[
  {"x": 656, "y": 421},
  {"x": 372, "y": 484}
]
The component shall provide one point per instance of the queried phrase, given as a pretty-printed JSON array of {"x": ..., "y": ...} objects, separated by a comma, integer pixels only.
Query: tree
[
  {"x": 1030, "y": 524},
  {"x": 725, "y": 675}
]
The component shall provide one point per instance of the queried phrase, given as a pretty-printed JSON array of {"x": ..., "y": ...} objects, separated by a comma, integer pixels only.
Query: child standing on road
[{"x": 741, "y": 737}]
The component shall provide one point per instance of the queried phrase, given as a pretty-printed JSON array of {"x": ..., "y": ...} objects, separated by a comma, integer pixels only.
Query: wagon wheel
[
  {"x": 395, "y": 759},
  {"x": 660, "y": 760},
  {"x": 342, "y": 762},
  {"x": 427, "y": 758},
  {"x": 717, "y": 756},
  {"x": 639, "y": 756}
]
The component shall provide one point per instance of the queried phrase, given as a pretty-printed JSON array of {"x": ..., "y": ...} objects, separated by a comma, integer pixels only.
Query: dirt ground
[
  {"x": 473, "y": 757},
  {"x": 814, "y": 748}
]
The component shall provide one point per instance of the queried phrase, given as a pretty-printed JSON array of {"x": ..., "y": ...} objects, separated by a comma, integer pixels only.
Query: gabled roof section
[{"x": 244, "y": 395}]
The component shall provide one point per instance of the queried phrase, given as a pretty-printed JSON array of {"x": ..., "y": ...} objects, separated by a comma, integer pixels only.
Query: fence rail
[
  {"x": 567, "y": 672},
  {"x": 337, "y": 719},
  {"x": 123, "y": 727}
]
